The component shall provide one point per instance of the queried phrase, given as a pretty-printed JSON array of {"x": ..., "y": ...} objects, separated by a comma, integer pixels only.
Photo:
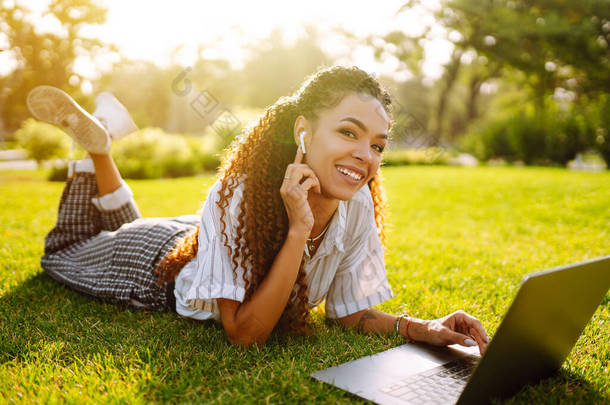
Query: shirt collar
[{"x": 335, "y": 234}]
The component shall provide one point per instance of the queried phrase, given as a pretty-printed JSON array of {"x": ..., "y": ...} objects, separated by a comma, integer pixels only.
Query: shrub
[
  {"x": 226, "y": 134},
  {"x": 58, "y": 173},
  {"x": 424, "y": 156},
  {"x": 551, "y": 136},
  {"x": 571, "y": 135},
  {"x": 526, "y": 135},
  {"x": 8, "y": 144},
  {"x": 602, "y": 132},
  {"x": 42, "y": 141},
  {"x": 151, "y": 153},
  {"x": 205, "y": 159}
]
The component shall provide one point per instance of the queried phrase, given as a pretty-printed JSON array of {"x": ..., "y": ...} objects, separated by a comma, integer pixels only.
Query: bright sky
[{"x": 152, "y": 30}]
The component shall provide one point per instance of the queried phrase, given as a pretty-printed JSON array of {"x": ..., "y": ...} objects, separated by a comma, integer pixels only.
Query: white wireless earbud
[{"x": 302, "y": 135}]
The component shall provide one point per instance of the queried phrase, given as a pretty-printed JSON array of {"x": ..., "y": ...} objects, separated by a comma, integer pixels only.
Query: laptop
[{"x": 542, "y": 325}]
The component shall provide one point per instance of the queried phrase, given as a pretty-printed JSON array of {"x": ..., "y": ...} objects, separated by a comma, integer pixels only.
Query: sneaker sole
[{"x": 52, "y": 105}]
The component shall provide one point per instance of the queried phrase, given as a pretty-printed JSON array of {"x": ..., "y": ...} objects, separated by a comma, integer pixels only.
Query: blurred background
[{"x": 474, "y": 82}]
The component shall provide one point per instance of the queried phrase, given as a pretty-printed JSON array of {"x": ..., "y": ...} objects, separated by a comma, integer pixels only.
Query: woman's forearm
[
  {"x": 375, "y": 321},
  {"x": 456, "y": 328},
  {"x": 255, "y": 319}
]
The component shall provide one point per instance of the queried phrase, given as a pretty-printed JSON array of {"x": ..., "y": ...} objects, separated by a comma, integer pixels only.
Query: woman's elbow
[
  {"x": 240, "y": 336},
  {"x": 246, "y": 341},
  {"x": 244, "y": 330}
]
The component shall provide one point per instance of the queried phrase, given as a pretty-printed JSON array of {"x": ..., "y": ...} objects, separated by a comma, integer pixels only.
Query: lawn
[{"x": 460, "y": 238}]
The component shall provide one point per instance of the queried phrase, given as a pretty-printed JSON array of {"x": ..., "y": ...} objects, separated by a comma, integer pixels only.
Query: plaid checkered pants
[{"x": 110, "y": 254}]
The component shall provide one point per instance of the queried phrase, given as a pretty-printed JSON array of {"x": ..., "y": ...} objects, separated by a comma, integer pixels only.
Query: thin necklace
[{"x": 310, "y": 241}]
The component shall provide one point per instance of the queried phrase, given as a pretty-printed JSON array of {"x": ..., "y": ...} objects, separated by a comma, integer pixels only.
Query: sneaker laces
[{"x": 104, "y": 123}]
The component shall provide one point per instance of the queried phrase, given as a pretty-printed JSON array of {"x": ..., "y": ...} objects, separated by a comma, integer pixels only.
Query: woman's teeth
[{"x": 349, "y": 173}]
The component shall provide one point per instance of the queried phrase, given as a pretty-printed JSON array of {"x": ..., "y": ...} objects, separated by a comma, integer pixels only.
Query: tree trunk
[{"x": 450, "y": 76}]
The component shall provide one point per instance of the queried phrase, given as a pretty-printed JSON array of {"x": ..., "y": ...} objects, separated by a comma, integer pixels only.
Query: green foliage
[
  {"x": 226, "y": 135},
  {"x": 9, "y": 144},
  {"x": 459, "y": 239},
  {"x": 151, "y": 153},
  {"x": 551, "y": 44},
  {"x": 206, "y": 159},
  {"x": 277, "y": 70},
  {"x": 58, "y": 173},
  {"x": 551, "y": 136},
  {"x": 424, "y": 156},
  {"x": 602, "y": 134},
  {"x": 572, "y": 35},
  {"x": 44, "y": 56},
  {"x": 42, "y": 141},
  {"x": 223, "y": 135},
  {"x": 189, "y": 100}
]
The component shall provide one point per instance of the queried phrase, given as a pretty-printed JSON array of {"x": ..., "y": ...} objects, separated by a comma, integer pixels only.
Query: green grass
[{"x": 460, "y": 238}]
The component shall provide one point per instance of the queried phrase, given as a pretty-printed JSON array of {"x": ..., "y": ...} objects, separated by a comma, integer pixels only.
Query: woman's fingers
[
  {"x": 295, "y": 173},
  {"x": 474, "y": 323},
  {"x": 479, "y": 339},
  {"x": 311, "y": 182},
  {"x": 299, "y": 178},
  {"x": 466, "y": 340},
  {"x": 298, "y": 162},
  {"x": 299, "y": 156},
  {"x": 459, "y": 338},
  {"x": 467, "y": 325},
  {"x": 474, "y": 328}
]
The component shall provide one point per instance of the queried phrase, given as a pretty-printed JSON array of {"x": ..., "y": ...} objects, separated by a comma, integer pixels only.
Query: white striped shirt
[{"x": 347, "y": 270}]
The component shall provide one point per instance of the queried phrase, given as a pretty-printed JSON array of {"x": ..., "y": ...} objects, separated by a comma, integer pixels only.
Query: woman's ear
[
  {"x": 302, "y": 141},
  {"x": 301, "y": 132}
]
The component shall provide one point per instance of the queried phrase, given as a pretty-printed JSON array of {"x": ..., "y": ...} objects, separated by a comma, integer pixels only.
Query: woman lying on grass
[{"x": 283, "y": 229}]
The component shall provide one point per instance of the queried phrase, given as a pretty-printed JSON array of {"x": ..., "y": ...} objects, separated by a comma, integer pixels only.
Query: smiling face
[{"x": 345, "y": 149}]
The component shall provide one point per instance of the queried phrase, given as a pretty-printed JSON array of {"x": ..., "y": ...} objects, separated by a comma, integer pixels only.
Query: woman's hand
[
  {"x": 298, "y": 179},
  {"x": 458, "y": 327}
]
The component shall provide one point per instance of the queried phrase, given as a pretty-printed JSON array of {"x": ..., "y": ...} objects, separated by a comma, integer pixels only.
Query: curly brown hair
[{"x": 262, "y": 153}]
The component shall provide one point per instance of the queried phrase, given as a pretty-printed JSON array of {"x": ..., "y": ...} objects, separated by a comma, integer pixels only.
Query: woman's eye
[
  {"x": 347, "y": 132},
  {"x": 351, "y": 134}
]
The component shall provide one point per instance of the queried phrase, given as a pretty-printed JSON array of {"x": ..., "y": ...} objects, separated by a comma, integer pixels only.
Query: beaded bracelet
[{"x": 407, "y": 329}]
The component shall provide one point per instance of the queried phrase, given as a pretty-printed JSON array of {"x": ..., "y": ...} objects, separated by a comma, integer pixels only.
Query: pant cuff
[
  {"x": 114, "y": 200},
  {"x": 81, "y": 166}
]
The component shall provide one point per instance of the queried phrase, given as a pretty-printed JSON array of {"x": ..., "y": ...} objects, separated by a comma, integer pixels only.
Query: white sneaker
[
  {"x": 115, "y": 118},
  {"x": 52, "y": 105}
]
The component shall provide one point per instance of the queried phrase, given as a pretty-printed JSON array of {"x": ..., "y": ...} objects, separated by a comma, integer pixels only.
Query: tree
[
  {"x": 544, "y": 48},
  {"x": 554, "y": 42},
  {"x": 42, "y": 141},
  {"x": 556, "y": 45},
  {"x": 275, "y": 70},
  {"x": 440, "y": 121},
  {"x": 45, "y": 57}
]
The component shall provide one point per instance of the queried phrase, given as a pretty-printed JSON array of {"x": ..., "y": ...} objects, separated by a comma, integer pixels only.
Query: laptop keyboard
[{"x": 436, "y": 386}]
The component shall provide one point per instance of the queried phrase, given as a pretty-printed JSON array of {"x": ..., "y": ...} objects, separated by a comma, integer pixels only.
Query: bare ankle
[{"x": 95, "y": 155}]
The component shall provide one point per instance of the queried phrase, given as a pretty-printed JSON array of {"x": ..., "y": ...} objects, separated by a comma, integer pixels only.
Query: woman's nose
[{"x": 362, "y": 152}]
